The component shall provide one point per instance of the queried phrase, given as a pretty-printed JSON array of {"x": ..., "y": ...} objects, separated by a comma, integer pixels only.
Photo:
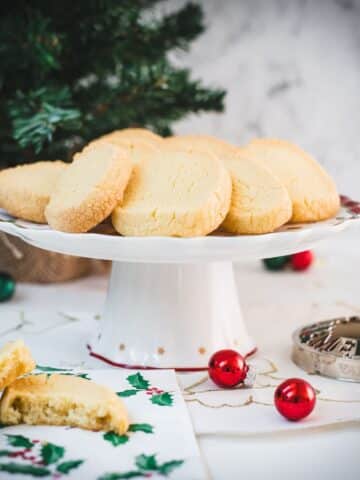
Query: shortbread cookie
[
  {"x": 15, "y": 360},
  {"x": 89, "y": 189},
  {"x": 134, "y": 135},
  {"x": 259, "y": 202},
  {"x": 138, "y": 150},
  {"x": 25, "y": 190},
  {"x": 312, "y": 191},
  {"x": 177, "y": 193},
  {"x": 63, "y": 400}
]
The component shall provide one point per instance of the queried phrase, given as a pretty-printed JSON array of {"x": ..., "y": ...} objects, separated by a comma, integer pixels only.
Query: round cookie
[
  {"x": 133, "y": 135},
  {"x": 138, "y": 150},
  {"x": 177, "y": 193},
  {"x": 259, "y": 202},
  {"x": 312, "y": 191},
  {"x": 25, "y": 190},
  {"x": 89, "y": 189}
]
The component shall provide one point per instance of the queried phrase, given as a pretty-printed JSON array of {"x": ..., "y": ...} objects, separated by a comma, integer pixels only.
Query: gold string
[
  {"x": 250, "y": 400},
  {"x": 242, "y": 387},
  {"x": 273, "y": 369},
  {"x": 270, "y": 373},
  {"x": 322, "y": 399},
  {"x": 194, "y": 385}
]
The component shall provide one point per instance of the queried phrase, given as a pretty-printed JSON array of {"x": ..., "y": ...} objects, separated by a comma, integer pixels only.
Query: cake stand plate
[{"x": 171, "y": 301}]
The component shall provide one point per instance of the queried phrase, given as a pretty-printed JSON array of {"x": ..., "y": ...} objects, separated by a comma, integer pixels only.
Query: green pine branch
[
  {"x": 29, "y": 49},
  {"x": 149, "y": 95},
  {"x": 70, "y": 75},
  {"x": 36, "y": 116},
  {"x": 178, "y": 29}
]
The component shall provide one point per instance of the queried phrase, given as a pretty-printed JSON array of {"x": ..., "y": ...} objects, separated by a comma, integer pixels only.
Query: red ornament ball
[
  {"x": 295, "y": 399},
  {"x": 302, "y": 260},
  {"x": 227, "y": 368}
]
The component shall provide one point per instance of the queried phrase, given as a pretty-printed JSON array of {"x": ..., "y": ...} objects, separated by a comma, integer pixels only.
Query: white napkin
[
  {"x": 251, "y": 410},
  {"x": 160, "y": 442}
]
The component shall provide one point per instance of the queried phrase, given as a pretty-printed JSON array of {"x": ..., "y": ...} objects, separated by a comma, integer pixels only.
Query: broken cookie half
[
  {"x": 63, "y": 400},
  {"x": 43, "y": 399}
]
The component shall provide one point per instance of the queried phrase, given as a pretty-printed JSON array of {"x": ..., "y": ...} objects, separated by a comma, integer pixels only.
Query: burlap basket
[{"x": 30, "y": 264}]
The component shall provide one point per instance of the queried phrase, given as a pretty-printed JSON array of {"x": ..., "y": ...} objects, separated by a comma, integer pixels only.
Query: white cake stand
[{"x": 172, "y": 302}]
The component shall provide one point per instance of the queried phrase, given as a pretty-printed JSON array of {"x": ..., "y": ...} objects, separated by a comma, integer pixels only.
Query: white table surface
[{"x": 283, "y": 301}]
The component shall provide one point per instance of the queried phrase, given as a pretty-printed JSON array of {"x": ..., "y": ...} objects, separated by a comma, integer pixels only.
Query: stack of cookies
[{"x": 180, "y": 186}]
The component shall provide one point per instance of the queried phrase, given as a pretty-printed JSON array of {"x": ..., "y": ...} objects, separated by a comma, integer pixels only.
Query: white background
[{"x": 291, "y": 69}]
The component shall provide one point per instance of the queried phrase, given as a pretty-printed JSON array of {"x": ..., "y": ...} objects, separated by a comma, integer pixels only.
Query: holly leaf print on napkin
[
  {"x": 163, "y": 399},
  {"x": 19, "y": 441},
  {"x": 45, "y": 368},
  {"x": 167, "y": 467},
  {"x": 141, "y": 427},
  {"x": 62, "y": 371},
  {"x": 140, "y": 384},
  {"x": 51, "y": 453},
  {"x": 5, "y": 453},
  {"x": 138, "y": 381},
  {"x": 146, "y": 462},
  {"x": 127, "y": 393},
  {"x": 37, "y": 458},
  {"x": 66, "y": 467},
  {"x": 116, "y": 439},
  {"x": 146, "y": 465},
  {"x": 24, "y": 469},
  {"x": 122, "y": 476}
]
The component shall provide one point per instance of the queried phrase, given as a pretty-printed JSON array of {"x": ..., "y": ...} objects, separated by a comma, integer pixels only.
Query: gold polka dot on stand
[
  {"x": 202, "y": 350},
  {"x": 161, "y": 351},
  {"x": 121, "y": 346},
  {"x": 236, "y": 342}
]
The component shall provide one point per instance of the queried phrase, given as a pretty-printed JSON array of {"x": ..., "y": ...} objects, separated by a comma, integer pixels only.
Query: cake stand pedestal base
[{"x": 170, "y": 316}]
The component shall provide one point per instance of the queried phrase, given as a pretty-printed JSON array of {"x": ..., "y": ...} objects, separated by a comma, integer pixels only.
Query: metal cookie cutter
[{"x": 330, "y": 348}]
